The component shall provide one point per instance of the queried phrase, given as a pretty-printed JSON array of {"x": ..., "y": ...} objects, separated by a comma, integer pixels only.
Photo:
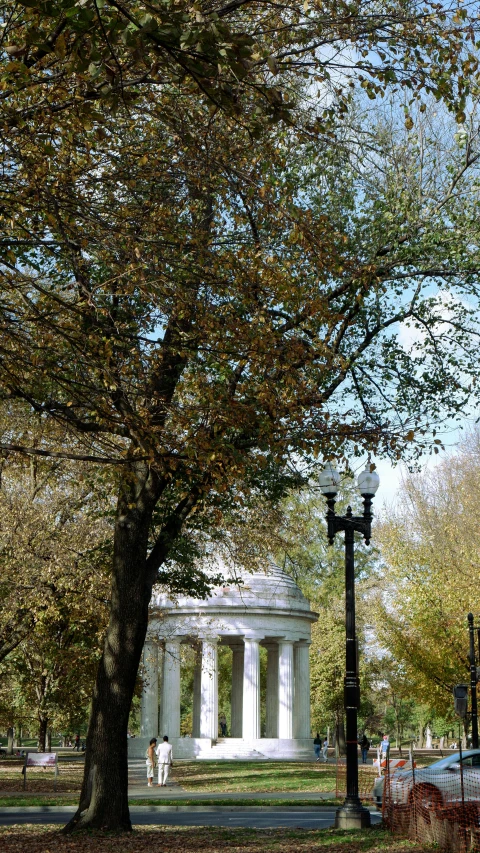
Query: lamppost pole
[
  {"x": 352, "y": 814},
  {"x": 473, "y": 682}
]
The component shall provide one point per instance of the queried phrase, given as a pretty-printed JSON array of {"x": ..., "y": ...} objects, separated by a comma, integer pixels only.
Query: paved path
[
  {"x": 261, "y": 817},
  {"x": 175, "y": 792}
]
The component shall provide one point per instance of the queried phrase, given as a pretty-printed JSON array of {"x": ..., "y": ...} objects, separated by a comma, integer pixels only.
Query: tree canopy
[{"x": 206, "y": 298}]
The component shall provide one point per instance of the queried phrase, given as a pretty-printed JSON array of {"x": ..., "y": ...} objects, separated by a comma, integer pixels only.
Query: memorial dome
[{"x": 273, "y": 588}]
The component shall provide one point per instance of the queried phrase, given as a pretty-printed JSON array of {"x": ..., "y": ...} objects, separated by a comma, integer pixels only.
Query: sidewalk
[{"x": 175, "y": 792}]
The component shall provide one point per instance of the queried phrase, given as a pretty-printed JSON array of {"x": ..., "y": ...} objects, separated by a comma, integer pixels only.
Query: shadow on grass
[{"x": 38, "y": 839}]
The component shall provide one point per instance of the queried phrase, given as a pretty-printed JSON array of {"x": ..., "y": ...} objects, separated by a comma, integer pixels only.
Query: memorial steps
[{"x": 232, "y": 749}]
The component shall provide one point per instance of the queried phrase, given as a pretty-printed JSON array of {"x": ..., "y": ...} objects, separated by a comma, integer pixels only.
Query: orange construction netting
[{"x": 442, "y": 809}]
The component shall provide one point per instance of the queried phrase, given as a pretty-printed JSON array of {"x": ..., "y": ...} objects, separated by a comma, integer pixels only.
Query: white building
[{"x": 267, "y": 610}]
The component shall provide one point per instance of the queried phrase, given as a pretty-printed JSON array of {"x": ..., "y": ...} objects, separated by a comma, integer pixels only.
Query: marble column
[
  {"x": 301, "y": 702},
  {"x": 271, "y": 729},
  {"x": 149, "y": 701},
  {"x": 197, "y": 692},
  {"x": 251, "y": 690},
  {"x": 171, "y": 690},
  {"x": 285, "y": 689},
  {"x": 209, "y": 690},
  {"x": 238, "y": 655}
]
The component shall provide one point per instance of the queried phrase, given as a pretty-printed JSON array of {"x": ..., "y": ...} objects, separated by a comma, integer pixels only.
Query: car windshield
[{"x": 443, "y": 763}]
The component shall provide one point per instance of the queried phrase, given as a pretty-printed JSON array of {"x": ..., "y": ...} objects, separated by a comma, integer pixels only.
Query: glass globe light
[
  {"x": 329, "y": 479},
  {"x": 368, "y": 481}
]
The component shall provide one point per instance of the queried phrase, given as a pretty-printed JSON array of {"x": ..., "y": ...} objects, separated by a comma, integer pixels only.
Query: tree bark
[
  {"x": 42, "y": 734},
  {"x": 340, "y": 745},
  {"x": 104, "y": 795}
]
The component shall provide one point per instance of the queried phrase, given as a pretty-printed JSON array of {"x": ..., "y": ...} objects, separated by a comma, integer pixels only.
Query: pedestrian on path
[
  {"x": 385, "y": 750},
  {"x": 317, "y": 745},
  {"x": 325, "y": 750},
  {"x": 164, "y": 757},
  {"x": 364, "y": 746},
  {"x": 151, "y": 761}
]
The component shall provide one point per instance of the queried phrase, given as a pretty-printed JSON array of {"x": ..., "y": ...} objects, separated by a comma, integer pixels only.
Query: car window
[{"x": 444, "y": 763}]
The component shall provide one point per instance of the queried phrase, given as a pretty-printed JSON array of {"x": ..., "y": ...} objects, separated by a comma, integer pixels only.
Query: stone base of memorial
[{"x": 298, "y": 749}]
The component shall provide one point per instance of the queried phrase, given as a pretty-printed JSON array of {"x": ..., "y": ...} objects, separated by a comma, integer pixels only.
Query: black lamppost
[
  {"x": 473, "y": 678},
  {"x": 352, "y": 814}
]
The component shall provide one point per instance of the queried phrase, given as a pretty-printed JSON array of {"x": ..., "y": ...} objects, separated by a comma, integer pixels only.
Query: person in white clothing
[
  {"x": 151, "y": 760},
  {"x": 164, "y": 757}
]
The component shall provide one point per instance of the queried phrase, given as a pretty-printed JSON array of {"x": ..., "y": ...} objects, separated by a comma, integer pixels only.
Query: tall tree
[
  {"x": 201, "y": 311},
  {"x": 54, "y": 534},
  {"x": 430, "y": 577}
]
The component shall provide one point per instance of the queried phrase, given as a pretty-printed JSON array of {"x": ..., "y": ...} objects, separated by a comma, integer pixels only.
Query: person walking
[
  {"x": 151, "y": 761},
  {"x": 325, "y": 750},
  {"x": 317, "y": 745},
  {"x": 164, "y": 758},
  {"x": 364, "y": 746},
  {"x": 385, "y": 751}
]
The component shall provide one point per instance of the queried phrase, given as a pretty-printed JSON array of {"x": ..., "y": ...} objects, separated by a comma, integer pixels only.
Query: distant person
[
  {"x": 325, "y": 749},
  {"x": 364, "y": 746},
  {"x": 385, "y": 747},
  {"x": 223, "y": 725},
  {"x": 164, "y": 758},
  {"x": 317, "y": 746},
  {"x": 77, "y": 742},
  {"x": 151, "y": 761}
]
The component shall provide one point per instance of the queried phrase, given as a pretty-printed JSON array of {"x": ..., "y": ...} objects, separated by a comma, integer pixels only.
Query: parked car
[{"x": 436, "y": 784}]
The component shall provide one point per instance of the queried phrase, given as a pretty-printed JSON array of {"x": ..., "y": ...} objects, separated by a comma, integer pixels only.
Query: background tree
[
  {"x": 51, "y": 673},
  {"x": 430, "y": 575},
  {"x": 54, "y": 538}
]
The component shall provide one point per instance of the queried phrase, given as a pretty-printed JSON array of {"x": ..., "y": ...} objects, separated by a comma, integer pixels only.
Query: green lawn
[
  {"x": 39, "y": 779},
  {"x": 258, "y": 776}
]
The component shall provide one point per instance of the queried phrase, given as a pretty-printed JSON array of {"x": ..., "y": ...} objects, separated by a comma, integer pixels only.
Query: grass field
[
  {"x": 46, "y": 839},
  {"x": 210, "y": 777},
  {"x": 39, "y": 779},
  {"x": 260, "y": 776}
]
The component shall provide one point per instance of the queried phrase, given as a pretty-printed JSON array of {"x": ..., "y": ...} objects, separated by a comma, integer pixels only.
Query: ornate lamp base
[{"x": 352, "y": 816}]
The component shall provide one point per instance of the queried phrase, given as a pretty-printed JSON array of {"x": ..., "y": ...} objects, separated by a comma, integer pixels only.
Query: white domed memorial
[{"x": 268, "y": 610}]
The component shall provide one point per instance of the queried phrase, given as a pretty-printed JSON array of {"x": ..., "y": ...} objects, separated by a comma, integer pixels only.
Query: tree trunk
[
  {"x": 42, "y": 734},
  {"x": 340, "y": 746},
  {"x": 10, "y": 741},
  {"x": 420, "y": 736},
  {"x": 104, "y": 795}
]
